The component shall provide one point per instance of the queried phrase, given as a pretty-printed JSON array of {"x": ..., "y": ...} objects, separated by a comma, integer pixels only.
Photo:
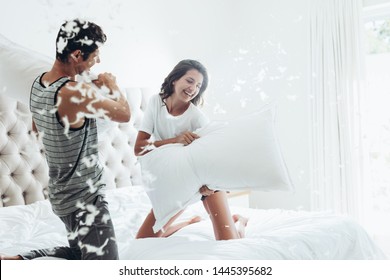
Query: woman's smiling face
[{"x": 187, "y": 87}]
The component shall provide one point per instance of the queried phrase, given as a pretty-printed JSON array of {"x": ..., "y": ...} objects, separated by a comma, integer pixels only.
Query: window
[{"x": 377, "y": 126}]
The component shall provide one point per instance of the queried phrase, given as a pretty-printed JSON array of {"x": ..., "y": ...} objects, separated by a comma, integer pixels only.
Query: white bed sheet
[{"x": 270, "y": 234}]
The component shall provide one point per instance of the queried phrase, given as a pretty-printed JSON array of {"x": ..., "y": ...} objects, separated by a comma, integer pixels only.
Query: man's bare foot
[
  {"x": 241, "y": 224},
  {"x": 10, "y": 258}
]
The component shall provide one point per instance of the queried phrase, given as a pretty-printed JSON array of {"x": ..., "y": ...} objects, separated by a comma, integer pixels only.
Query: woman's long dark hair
[{"x": 179, "y": 71}]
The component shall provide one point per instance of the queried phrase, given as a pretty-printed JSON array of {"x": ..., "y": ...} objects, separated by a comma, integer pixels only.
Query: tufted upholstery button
[{"x": 32, "y": 171}]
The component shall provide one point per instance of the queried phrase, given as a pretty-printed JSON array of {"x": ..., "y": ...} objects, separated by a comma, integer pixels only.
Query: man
[{"x": 64, "y": 115}]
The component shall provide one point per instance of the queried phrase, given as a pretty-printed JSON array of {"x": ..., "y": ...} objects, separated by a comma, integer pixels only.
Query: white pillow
[
  {"x": 238, "y": 154},
  {"x": 19, "y": 67}
]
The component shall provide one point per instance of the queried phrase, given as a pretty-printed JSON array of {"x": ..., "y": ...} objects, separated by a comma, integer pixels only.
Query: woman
[{"x": 171, "y": 117}]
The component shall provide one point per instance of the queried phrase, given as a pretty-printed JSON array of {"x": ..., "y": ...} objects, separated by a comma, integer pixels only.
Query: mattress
[{"x": 274, "y": 234}]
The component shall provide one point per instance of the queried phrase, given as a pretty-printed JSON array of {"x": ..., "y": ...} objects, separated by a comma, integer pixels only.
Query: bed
[
  {"x": 270, "y": 234},
  {"x": 27, "y": 221}
]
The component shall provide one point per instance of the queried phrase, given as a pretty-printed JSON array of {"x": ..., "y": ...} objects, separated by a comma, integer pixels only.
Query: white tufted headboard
[
  {"x": 23, "y": 167},
  {"x": 116, "y": 143}
]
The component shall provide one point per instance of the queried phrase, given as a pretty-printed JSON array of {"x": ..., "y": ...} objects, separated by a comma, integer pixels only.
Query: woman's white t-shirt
[{"x": 162, "y": 125}]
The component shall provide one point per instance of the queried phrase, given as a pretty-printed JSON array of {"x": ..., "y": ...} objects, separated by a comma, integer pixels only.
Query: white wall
[
  {"x": 256, "y": 52},
  {"x": 368, "y": 3}
]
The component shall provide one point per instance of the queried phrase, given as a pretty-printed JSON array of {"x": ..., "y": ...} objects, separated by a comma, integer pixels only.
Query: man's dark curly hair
[{"x": 78, "y": 35}]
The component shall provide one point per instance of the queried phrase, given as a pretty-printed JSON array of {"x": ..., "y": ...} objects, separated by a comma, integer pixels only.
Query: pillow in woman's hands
[{"x": 243, "y": 153}]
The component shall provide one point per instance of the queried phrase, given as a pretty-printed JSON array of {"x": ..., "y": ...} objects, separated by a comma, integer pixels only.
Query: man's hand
[{"x": 105, "y": 79}]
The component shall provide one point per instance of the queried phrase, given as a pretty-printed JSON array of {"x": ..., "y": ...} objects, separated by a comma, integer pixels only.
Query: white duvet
[{"x": 270, "y": 234}]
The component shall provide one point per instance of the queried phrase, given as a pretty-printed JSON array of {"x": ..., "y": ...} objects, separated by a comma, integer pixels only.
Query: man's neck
[{"x": 61, "y": 69}]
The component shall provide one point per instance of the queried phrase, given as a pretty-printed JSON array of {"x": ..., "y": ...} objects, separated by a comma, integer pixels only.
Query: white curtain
[{"x": 337, "y": 56}]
